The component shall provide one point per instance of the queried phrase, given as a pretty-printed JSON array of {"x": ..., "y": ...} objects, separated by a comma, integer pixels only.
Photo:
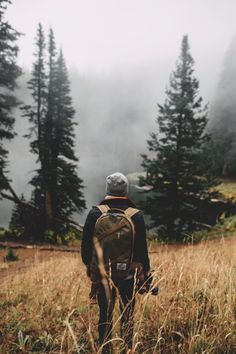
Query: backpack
[{"x": 113, "y": 240}]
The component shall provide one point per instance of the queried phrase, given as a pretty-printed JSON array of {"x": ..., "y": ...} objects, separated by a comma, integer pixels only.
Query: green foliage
[
  {"x": 2, "y": 232},
  {"x": 67, "y": 197},
  {"x": 227, "y": 189},
  {"x": 49, "y": 236},
  {"x": 14, "y": 234},
  {"x": 10, "y": 256},
  {"x": 226, "y": 227},
  {"x": 25, "y": 222},
  {"x": 43, "y": 344},
  {"x": 219, "y": 154},
  {"x": 22, "y": 341},
  {"x": 212, "y": 156},
  {"x": 66, "y": 236},
  {"x": 9, "y": 72},
  {"x": 18, "y": 220},
  {"x": 70, "y": 236},
  {"x": 174, "y": 167}
]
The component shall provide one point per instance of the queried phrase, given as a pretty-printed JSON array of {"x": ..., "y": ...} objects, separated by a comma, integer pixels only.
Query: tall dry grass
[{"x": 46, "y": 308}]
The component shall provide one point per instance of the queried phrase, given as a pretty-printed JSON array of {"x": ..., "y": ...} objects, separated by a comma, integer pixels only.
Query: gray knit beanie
[{"x": 117, "y": 184}]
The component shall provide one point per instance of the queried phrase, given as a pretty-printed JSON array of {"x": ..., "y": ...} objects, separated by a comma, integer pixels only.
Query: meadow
[{"x": 44, "y": 302}]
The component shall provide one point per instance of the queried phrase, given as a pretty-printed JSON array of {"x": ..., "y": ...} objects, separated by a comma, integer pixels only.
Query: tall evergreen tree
[
  {"x": 175, "y": 171},
  {"x": 36, "y": 113},
  {"x": 57, "y": 188},
  {"x": 9, "y": 72},
  {"x": 49, "y": 130},
  {"x": 67, "y": 186}
]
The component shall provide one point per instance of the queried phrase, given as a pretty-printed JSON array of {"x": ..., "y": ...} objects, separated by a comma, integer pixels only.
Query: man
[{"x": 116, "y": 199}]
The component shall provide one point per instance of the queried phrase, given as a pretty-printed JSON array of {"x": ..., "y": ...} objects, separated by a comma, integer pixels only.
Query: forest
[{"x": 187, "y": 155}]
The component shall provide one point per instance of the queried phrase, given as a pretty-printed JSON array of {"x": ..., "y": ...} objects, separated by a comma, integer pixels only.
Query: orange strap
[
  {"x": 131, "y": 212},
  {"x": 114, "y": 197},
  {"x": 103, "y": 208}
]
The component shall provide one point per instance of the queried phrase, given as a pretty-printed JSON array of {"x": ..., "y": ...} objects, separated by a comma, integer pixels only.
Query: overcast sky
[{"x": 104, "y": 35}]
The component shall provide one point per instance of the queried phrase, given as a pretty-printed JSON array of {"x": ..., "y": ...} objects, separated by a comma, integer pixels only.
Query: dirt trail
[
  {"x": 28, "y": 257},
  {"x": 16, "y": 245}
]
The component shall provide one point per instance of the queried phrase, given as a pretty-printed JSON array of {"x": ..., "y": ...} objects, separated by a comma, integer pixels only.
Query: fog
[
  {"x": 120, "y": 55},
  {"x": 107, "y": 34},
  {"x": 223, "y": 108},
  {"x": 222, "y": 115}
]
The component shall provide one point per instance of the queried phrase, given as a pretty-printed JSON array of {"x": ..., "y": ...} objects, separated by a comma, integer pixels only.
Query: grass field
[
  {"x": 44, "y": 303},
  {"x": 228, "y": 189}
]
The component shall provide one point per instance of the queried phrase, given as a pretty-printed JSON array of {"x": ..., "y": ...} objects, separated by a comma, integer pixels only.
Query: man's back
[{"x": 140, "y": 253}]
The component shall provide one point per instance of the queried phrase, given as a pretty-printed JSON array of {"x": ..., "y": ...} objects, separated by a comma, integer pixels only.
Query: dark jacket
[{"x": 140, "y": 244}]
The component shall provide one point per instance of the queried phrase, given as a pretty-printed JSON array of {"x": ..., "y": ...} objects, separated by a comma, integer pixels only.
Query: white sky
[{"x": 100, "y": 35}]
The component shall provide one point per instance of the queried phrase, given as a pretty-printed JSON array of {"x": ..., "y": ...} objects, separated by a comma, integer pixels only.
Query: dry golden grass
[
  {"x": 45, "y": 308},
  {"x": 228, "y": 189}
]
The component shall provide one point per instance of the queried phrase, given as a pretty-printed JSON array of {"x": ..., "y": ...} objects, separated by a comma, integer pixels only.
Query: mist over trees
[
  {"x": 115, "y": 113},
  {"x": 100, "y": 102},
  {"x": 222, "y": 125},
  {"x": 179, "y": 183}
]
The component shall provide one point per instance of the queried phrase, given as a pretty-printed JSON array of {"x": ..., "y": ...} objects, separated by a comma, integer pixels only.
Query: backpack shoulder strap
[
  {"x": 131, "y": 212},
  {"x": 104, "y": 208}
]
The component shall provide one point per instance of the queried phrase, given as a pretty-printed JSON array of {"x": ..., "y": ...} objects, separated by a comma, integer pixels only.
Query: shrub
[{"x": 10, "y": 256}]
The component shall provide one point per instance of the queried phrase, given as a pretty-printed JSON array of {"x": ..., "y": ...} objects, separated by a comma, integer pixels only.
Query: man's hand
[
  {"x": 88, "y": 271},
  {"x": 148, "y": 282}
]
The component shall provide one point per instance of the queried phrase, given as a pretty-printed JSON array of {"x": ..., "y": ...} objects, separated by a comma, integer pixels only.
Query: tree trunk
[{"x": 225, "y": 169}]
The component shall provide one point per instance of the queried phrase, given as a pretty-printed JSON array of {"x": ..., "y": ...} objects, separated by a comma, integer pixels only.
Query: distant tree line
[
  {"x": 185, "y": 153},
  {"x": 222, "y": 122}
]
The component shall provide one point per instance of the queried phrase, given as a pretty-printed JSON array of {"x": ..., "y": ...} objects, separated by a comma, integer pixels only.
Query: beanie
[{"x": 117, "y": 184}]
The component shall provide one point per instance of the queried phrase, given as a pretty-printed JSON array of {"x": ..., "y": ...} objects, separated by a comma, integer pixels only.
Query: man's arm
[
  {"x": 140, "y": 243},
  {"x": 87, "y": 240}
]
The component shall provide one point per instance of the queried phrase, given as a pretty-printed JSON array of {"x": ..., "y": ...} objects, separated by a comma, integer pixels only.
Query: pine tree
[
  {"x": 18, "y": 219},
  {"x": 63, "y": 194},
  {"x": 67, "y": 186},
  {"x": 57, "y": 188},
  {"x": 9, "y": 72},
  {"x": 175, "y": 170},
  {"x": 36, "y": 113},
  {"x": 49, "y": 131}
]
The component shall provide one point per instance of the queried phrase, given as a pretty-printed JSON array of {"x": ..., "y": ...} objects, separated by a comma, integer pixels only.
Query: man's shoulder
[
  {"x": 138, "y": 216},
  {"x": 93, "y": 213},
  {"x": 124, "y": 204},
  {"x": 114, "y": 202}
]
